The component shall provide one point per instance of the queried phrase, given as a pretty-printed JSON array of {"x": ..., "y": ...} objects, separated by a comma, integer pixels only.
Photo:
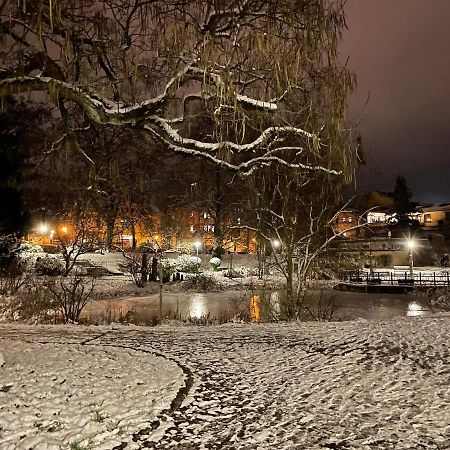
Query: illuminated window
[
  {"x": 192, "y": 228},
  {"x": 427, "y": 218}
]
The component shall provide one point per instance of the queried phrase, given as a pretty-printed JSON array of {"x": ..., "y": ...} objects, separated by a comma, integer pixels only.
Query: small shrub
[
  {"x": 440, "y": 299},
  {"x": 9, "y": 248},
  {"x": 71, "y": 295},
  {"x": 48, "y": 266},
  {"x": 188, "y": 264},
  {"x": 169, "y": 267},
  {"x": 215, "y": 262},
  {"x": 320, "y": 307},
  {"x": 27, "y": 247},
  {"x": 30, "y": 302},
  {"x": 202, "y": 282}
]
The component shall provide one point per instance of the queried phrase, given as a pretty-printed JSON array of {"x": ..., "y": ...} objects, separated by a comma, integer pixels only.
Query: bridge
[{"x": 397, "y": 277}]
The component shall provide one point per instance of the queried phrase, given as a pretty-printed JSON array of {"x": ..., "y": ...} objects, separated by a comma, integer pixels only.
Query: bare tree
[
  {"x": 77, "y": 238},
  {"x": 71, "y": 295},
  {"x": 294, "y": 219},
  {"x": 144, "y": 63}
]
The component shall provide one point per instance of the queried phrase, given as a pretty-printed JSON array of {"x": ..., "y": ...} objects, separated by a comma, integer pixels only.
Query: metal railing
[{"x": 396, "y": 277}]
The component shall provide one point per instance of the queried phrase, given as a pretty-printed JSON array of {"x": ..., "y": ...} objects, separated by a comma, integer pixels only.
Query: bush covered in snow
[
  {"x": 169, "y": 267},
  {"x": 202, "y": 282},
  {"x": 8, "y": 253},
  {"x": 27, "y": 247},
  {"x": 215, "y": 262},
  {"x": 188, "y": 264},
  {"x": 441, "y": 301},
  {"x": 49, "y": 266}
]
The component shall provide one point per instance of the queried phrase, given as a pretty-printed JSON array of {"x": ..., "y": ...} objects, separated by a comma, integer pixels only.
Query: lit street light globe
[
  {"x": 276, "y": 243},
  {"x": 197, "y": 245},
  {"x": 43, "y": 228},
  {"x": 410, "y": 244}
]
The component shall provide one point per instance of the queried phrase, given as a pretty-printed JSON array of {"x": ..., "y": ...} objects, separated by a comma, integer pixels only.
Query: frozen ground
[
  {"x": 78, "y": 396},
  {"x": 350, "y": 385}
]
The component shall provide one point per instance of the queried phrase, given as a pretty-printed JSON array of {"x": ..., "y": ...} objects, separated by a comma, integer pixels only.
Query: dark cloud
[{"x": 399, "y": 50}]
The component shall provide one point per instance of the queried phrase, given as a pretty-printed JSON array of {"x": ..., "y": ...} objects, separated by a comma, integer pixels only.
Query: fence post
[
  {"x": 434, "y": 279},
  {"x": 392, "y": 279},
  {"x": 448, "y": 281},
  {"x": 420, "y": 278}
]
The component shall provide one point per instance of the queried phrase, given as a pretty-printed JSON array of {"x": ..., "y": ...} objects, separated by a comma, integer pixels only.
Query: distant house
[
  {"x": 381, "y": 207},
  {"x": 435, "y": 216},
  {"x": 345, "y": 223}
]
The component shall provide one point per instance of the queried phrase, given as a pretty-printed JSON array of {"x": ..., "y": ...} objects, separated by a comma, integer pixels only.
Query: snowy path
[{"x": 352, "y": 385}]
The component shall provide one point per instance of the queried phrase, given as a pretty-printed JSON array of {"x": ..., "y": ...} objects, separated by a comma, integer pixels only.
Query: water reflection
[
  {"x": 414, "y": 309},
  {"x": 275, "y": 302},
  {"x": 349, "y": 305},
  {"x": 198, "y": 307}
]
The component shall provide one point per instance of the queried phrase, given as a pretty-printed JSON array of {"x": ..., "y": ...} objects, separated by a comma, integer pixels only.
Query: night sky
[{"x": 400, "y": 52}]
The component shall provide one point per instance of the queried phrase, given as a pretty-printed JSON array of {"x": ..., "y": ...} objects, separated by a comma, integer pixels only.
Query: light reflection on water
[
  {"x": 197, "y": 307},
  {"x": 275, "y": 301},
  {"x": 215, "y": 304},
  {"x": 414, "y": 309}
]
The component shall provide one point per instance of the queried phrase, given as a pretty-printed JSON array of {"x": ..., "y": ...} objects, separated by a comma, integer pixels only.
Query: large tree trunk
[
  {"x": 218, "y": 211},
  {"x": 109, "y": 235},
  {"x": 290, "y": 307},
  {"x": 133, "y": 236}
]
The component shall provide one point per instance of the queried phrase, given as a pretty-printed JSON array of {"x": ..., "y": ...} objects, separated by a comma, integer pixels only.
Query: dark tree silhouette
[{"x": 402, "y": 198}]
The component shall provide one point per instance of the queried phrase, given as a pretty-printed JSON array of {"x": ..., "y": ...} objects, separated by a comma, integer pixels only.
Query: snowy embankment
[
  {"x": 63, "y": 396},
  {"x": 344, "y": 385}
]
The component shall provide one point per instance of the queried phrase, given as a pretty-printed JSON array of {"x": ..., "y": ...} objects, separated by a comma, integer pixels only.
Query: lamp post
[
  {"x": 410, "y": 258},
  {"x": 197, "y": 245}
]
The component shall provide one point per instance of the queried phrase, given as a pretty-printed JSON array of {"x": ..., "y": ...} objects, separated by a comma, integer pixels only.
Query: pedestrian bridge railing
[{"x": 396, "y": 277}]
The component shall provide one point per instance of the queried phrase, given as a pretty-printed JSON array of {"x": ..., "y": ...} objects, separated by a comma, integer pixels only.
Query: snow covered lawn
[
  {"x": 55, "y": 396},
  {"x": 349, "y": 385}
]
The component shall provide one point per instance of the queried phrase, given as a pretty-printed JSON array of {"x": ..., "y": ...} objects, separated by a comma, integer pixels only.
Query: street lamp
[
  {"x": 411, "y": 245},
  {"x": 197, "y": 245},
  {"x": 43, "y": 228},
  {"x": 276, "y": 244}
]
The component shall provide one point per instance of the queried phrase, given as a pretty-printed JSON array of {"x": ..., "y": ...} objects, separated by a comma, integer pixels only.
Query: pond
[{"x": 227, "y": 304}]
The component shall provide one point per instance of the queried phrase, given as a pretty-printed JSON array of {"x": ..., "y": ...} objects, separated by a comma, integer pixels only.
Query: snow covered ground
[
  {"x": 348, "y": 385},
  {"x": 77, "y": 396}
]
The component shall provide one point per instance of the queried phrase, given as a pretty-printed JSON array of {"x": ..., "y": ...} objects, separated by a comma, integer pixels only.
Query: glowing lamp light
[
  {"x": 410, "y": 244},
  {"x": 64, "y": 229},
  {"x": 197, "y": 245},
  {"x": 43, "y": 228},
  {"x": 276, "y": 243}
]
